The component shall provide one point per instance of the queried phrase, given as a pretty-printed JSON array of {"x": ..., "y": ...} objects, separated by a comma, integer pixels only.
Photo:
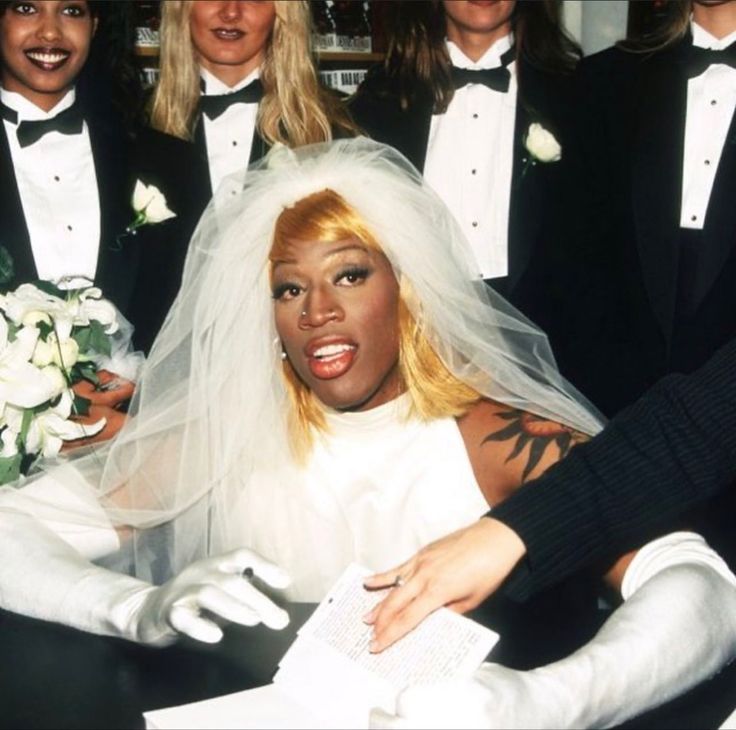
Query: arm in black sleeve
[{"x": 676, "y": 446}]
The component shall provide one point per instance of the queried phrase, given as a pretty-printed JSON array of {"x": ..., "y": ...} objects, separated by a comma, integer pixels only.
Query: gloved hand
[
  {"x": 42, "y": 576},
  {"x": 677, "y": 628},
  {"x": 154, "y": 615}
]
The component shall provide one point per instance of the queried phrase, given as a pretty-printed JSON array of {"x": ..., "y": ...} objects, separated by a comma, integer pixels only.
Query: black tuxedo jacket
[
  {"x": 120, "y": 159},
  {"x": 633, "y": 128},
  {"x": 537, "y": 196}
]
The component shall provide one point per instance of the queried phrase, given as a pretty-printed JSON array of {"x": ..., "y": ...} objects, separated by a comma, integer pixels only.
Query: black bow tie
[
  {"x": 214, "y": 105},
  {"x": 699, "y": 59},
  {"x": 69, "y": 121},
  {"x": 497, "y": 78}
]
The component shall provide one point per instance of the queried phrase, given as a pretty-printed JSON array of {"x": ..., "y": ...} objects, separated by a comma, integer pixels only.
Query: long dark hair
[
  {"x": 110, "y": 79},
  {"x": 419, "y": 65}
]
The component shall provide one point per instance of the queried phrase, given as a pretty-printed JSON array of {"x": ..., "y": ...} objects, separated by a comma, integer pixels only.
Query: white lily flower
[
  {"x": 64, "y": 353},
  {"x": 55, "y": 376},
  {"x": 96, "y": 308},
  {"x": 27, "y": 301},
  {"x": 43, "y": 354},
  {"x": 150, "y": 204},
  {"x": 51, "y": 428},
  {"x": 21, "y": 383}
]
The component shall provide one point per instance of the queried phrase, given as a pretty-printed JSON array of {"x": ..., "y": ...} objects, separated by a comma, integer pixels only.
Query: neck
[
  {"x": 718, "y": 20},
  {"x": 45, "y": 102},
  {"x": 474, "y": 45},
  {"x": 231, "y": 75}
]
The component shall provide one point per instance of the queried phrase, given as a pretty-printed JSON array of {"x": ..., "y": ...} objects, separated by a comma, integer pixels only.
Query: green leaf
[
  {"x": 99, "y": 340},
  {"x": 88, "y": 372},
  {"x": 81, "y": 405},
  {"x": 10, "y": 468},
  {"x": 45, "y": 329},
  {"x": 7, "y": 266},
  {"x": 24, "y": 427},
  {"x": 83, "y": 338}
]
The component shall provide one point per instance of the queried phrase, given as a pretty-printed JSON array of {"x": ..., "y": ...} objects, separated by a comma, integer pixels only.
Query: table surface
[{"x": 51, "y": 676}]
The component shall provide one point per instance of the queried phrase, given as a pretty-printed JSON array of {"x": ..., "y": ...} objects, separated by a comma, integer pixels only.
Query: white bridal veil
[{"x": 209, "y": 415}]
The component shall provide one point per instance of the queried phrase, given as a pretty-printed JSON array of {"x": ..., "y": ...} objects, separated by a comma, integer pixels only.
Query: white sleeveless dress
[{"x": 375, "y": 490}]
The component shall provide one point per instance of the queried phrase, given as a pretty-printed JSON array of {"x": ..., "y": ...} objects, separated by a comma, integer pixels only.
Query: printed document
[{"x": 329, "y": 679}]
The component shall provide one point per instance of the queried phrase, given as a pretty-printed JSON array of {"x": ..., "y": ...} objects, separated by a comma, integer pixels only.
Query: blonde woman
[{"x": 237, "y": 77}]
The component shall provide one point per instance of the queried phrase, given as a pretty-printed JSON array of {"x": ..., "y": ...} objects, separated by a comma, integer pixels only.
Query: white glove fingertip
[
  {"x": 185, "y": 622},
  {"x": 381, "y": 719},
  {"x": 277, "y": 619}
]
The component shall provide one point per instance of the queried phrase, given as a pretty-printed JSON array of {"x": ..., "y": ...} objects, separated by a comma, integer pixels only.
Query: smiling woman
[{"x": 44, "y": 46}]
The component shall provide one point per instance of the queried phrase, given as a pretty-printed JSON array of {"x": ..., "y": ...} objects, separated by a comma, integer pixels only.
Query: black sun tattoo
[{"x": 540, "y": 433}]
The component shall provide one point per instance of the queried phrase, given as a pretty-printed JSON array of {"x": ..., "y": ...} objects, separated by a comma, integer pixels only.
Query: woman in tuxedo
[
  {"x": 370, "y": 395},
  {"x": 659, "y": 131},
  {"x": 70, "y": 165},
  {"x": 461, "y": 85},
  {"x": 237, "y": 77}
]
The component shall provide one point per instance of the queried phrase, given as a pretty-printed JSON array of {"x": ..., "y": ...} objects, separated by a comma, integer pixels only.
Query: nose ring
[{"x": 303, "y": 313}]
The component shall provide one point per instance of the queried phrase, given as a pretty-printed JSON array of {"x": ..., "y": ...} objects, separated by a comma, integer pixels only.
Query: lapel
[
  {"x": 376, "y": 107},
  {"x": 203, "y": 167},
  {"x": 656, "y": 176},
  {"x": 13, "y": 229},
  {"x": 527, "y": 198},
  {"x": 413, "y": 132},
  {"x": 118, "y": 255},
  {"x": 719, "y": 233},
  {"x": 258, "y": 147}
]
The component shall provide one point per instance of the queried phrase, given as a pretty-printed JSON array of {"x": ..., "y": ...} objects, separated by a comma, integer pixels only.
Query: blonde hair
[
  {"x": 434, "y": 392},
  {"x": 672, "y": 29},
  {"x": 295, "y": 109}
]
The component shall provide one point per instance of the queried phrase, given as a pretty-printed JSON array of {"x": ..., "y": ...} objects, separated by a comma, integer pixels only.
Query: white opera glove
[
  {"x": 43, "y": 577},
  {"x": 677, "y": 628}
]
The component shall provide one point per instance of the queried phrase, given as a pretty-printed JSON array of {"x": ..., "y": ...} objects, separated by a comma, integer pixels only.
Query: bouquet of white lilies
[{"x": 50, "y": 339}]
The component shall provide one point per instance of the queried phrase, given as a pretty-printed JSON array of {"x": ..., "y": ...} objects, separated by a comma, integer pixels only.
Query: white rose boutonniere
[
  {"x": 149, "y": 206},
  {"x": 541, "y": 145}
]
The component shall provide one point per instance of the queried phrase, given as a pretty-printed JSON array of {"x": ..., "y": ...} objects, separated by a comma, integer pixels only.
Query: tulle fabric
[{"x": 209, "y": 414}]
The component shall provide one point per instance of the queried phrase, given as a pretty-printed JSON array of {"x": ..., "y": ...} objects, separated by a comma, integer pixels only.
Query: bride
[{"x": 331, "y": 386}]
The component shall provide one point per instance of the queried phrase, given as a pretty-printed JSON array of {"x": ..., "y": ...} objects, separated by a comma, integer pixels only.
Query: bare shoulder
[{"x": 507, "y": 446}]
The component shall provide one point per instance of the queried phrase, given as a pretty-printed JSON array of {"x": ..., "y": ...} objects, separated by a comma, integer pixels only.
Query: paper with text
[{"x": 328, "y": 678}]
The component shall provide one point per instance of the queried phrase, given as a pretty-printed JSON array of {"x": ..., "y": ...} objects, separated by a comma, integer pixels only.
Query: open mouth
[
  {"x": 228, "y": 34},
  {"x": 332, "y": 360},
  {"x": 48, "y": 59}
]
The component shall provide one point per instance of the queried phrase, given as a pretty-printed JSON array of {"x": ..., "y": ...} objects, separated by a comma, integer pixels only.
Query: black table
[{"x": 51, "y": 676}]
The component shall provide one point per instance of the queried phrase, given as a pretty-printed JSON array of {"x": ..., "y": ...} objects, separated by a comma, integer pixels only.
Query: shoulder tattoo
[{"x": 538, "y": 433}]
